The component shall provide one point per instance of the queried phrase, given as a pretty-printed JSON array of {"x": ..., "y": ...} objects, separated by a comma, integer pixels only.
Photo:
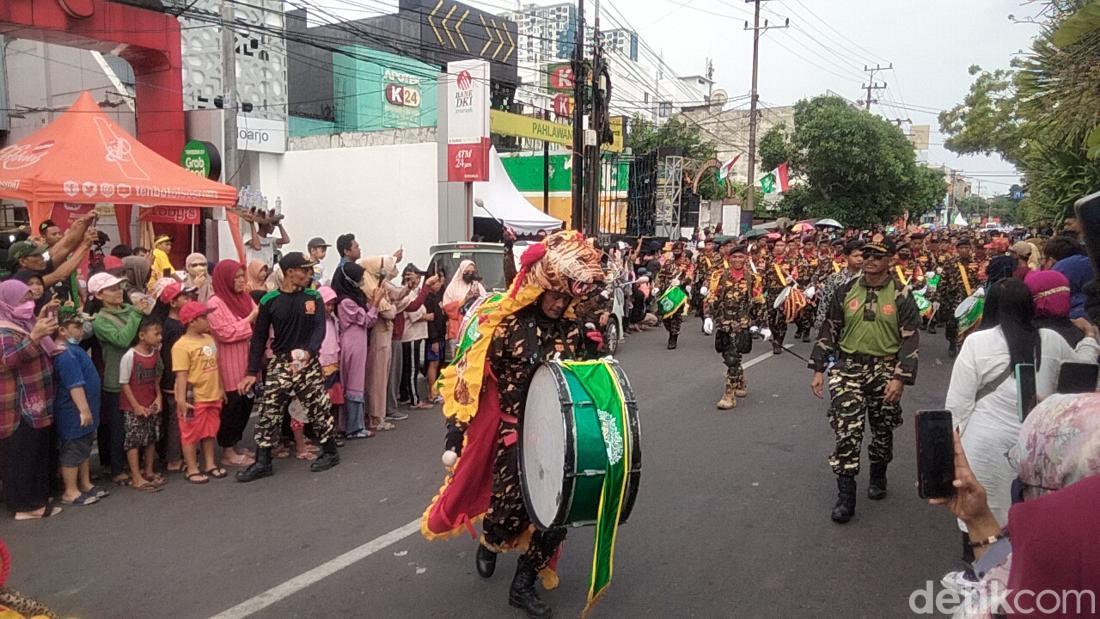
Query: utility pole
[
  {"x": 710, "y": 80},
  {"x": 950, "y": 198},
  {"x": 754, "y": 97},
  {"x": 594, "y": 131},
  {"x": 578, "y": 120},
  {"x": 871, "y": 85}
]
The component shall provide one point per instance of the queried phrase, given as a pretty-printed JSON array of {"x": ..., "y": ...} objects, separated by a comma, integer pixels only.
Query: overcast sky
[{"x": 931, "y": 43}]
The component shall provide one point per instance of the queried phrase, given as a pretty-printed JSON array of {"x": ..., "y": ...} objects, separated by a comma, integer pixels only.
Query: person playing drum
[
  {"x": 676, "y": 271},
  {"x": 960, "y": 280},
  {"x": 777, "y": 274},
  {"x": 730, "y": 307},
  {"x": 503, "y": 342}
]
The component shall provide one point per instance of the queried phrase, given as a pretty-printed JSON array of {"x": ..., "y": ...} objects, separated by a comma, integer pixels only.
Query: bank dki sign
[{"x": 261, "y": 135}]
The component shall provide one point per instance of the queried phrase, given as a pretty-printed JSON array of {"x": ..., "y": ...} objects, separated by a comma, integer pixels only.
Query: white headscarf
[{"x": 458, "y": 289}]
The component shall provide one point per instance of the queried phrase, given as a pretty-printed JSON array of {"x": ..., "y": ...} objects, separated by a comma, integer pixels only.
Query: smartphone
[
  {"x": 1078, "y": 377},
  {"x": 1026, "y": 398},
  {"x": 935, "y": 454}
]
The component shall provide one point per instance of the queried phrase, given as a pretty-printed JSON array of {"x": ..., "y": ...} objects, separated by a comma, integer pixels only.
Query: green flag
[
  {"x": 598, "y": 381},
  {"x": 767, "y": 183}
]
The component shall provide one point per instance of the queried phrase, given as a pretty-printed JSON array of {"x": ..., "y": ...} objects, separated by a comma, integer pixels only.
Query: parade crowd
[{"x": 161, "y": 369}]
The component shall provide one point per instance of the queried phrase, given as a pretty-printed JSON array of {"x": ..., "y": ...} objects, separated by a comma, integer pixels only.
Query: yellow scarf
[
  {"x": 901, "y": 275},
  {"x": 965, "y": 278},
  {"x": 779, "y": 273}
]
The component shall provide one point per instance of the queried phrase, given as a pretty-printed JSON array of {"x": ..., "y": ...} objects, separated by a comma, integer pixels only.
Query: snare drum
[
  {"x": 566, "y": 444},
  {"x": 969, "y": 312},
  {"x": 671, "y": 301}
]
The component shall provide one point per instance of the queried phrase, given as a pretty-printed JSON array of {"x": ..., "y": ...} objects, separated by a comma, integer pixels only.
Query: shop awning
[
  {"x": 84, "y": 157},
  {"x": 500, "y": 200}
]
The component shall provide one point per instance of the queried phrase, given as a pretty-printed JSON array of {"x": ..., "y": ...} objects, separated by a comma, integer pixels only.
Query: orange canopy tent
[{"x": 84, "y": 157}]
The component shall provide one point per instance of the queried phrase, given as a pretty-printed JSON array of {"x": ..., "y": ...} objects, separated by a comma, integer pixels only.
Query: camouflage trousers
[
  {"x": 280, "y": 386},
  {"x": 777, "y": 322},
  {"x": 805, "y": 320},
  {"x": 856, "y": 389},
  {"x": 735, "y": 374},
  {"x": 673, "y": 322},
  {"x": 507, "y": 519}
]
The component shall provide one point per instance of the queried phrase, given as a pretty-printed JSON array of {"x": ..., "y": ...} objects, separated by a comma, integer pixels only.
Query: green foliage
[
  {"x": 774, "y": 147},
  {"x": 645, "y": 136},
  {"x": 853, "y": 166},
  {"x": 1043, "y": 114},
  {"x": 1000, "y": 206}
]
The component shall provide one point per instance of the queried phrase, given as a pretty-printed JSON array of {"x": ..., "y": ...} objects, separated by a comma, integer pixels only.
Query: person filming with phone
[
  {"x": 871, "y": 328},
  {"x": 1008, "y": 357}
]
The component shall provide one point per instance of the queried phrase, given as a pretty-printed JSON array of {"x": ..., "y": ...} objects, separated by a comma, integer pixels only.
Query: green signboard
[
  {"x": 527, "y": 173},
  {"x": 375, "y": 90},
  {"x": 201, "y": 158}
]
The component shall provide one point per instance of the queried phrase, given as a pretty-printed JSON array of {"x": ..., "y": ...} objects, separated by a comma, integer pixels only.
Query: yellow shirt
[
  {"x": 198, "y": 356},
  {"x": 160, "y": 263}
]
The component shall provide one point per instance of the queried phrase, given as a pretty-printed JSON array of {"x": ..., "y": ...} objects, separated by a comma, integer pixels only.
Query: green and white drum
[
  {"x": 969, "y": 312},
  {"x": 671, "y": 301},
  {"x": 570, "y": 443}
]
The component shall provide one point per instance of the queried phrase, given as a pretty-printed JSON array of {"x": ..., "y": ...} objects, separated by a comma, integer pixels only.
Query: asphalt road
[{"x": 732, "y": 519}]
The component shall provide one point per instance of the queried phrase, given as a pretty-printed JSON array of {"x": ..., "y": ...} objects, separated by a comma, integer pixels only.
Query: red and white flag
[{"x": 727, "y": 168}]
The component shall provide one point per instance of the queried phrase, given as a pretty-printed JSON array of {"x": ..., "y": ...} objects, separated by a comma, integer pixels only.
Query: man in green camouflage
[
  {"x": 730, "y": 306},
  {"x": 872, "y": 331},
  {"x": 960, "y": 280}
]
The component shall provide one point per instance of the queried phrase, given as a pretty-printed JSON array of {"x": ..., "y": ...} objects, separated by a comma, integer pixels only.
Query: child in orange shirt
[{"x": 198, "y": 392}]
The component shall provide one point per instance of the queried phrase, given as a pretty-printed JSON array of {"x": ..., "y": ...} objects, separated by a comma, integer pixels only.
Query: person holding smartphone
[
  {"x": 983, "y": 393},
  {"x": 871, "y": 328}
]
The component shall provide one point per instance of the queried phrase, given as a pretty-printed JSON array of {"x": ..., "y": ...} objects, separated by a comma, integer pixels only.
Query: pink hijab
[{"x": 1050, "y": 292}]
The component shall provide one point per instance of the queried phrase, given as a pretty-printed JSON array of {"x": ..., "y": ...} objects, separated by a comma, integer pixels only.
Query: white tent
[{"x": 499, "y": 199}]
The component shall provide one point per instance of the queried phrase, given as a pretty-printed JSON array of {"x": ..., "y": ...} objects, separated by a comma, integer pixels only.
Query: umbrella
[
  {"x": 829, "y": 223},
  {"x": 802, "y": 227},
  {"x": 755, "y": 233}
]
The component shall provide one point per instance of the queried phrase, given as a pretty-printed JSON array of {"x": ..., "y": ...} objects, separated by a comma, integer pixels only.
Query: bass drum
[{"x": 563, "y": 455}]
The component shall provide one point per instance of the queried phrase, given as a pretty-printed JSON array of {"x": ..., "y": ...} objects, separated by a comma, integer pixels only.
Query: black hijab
[{"x": 346, "y": 282}]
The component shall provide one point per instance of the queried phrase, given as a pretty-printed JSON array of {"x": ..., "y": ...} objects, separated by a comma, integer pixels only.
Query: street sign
[
  {"x": 507, "y": 123},
  {"x": 563, "y": 105},
  {"x": 201, "y": 158},
  {"x": 559, "y": 77}
]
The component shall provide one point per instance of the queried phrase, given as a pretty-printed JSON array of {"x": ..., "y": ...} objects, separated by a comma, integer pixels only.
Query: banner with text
[{"x": 467, "y": 99}]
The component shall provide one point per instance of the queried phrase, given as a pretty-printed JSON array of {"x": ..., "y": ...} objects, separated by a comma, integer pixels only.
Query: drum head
[
  {"x": 779, "y": 300},
  {"x": 543, "y": 447},
  {"x": 964, "y": 308}
]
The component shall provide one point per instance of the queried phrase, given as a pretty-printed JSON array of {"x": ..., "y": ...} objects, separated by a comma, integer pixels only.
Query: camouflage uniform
[
  {"x": 520, "y": 344},
  {"x": 281, "y": 384},
  {"x": 673, "y": 269},
  {"x": 908, "y": 274},
  {"x": 808, "y": 271},
  {"x": 773, "y": 285},
  {"x": 730, "y": 304},
  {"x": 827, "y": 289},
  {"x": 953, "y": 291},
  {"x": 857, "y": 383},
  {"x": 705, "y": 265}
]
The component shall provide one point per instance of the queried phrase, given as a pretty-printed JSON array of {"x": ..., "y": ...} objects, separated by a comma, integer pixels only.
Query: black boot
[
  {"x": 523, "y": 594},
  {"x": 952, "y": 350},
  {"x": 258, "y": 469},
  {"x": 806, "y": 336},
  {"x": 672, "y": 341},
  {"x": 329, "y": 457},
  {"x": 931, "y": 327},
  {"x": 486, "y": 561},
  {"x": 877, "y": 488},
  {"x": 777, "y": 349},
  {"x": 846, "y": 499}
]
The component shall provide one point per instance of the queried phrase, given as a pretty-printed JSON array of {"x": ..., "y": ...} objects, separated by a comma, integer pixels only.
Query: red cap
[
  {"x": 111, "y": 263},
  {"x": 192, "y": 310},
  {"x": 170, "y": 292}
]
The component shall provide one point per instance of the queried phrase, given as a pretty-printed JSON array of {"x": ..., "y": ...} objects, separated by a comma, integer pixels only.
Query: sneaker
[
  {"x": 961, "y": 581},
  {"x": 397, "y": 416}
]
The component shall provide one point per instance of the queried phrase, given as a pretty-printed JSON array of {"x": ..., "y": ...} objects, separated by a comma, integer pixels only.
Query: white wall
[{"x": 385, "y": 195}]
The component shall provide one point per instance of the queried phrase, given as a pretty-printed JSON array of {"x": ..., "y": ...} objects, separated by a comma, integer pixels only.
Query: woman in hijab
[
  {"x": 231, "y": 316},
  {"x": 1050, "y": 293},
  {"x": 377, "y": 272},
  {"x": 355, "y": 316},
  {"x": 1078, "y": 270},
  {"x": 136, "y": 269},
  {"x": 464, "y": 287},
  {"x": 26, "y": 402},
  {"x": 257, "y": 276},
  {"x": 1056, "y": 497},
  {"x": 197, "y": 276}
]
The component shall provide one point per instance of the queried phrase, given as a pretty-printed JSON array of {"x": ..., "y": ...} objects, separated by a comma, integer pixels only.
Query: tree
[
  {"x": 774, "y": 147},
  {"x": 986, "y": 122},
  {"x": 851, "y": 166},
  {"x": 645, "y": 136}
]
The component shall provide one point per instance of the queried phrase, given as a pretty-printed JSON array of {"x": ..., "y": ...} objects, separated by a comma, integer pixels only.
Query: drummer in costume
[
  {"x": 906, "y": 271},
  {"x": 807, "y": 268},
  {"x": 872, "y": 330},
  {"x": 777, "y": 276},
  {"x": 484, "y": 393},
  {"x": 730, "y": 306},
  {"x": 959, "y": 281},
  {"x": 705, "y": 263},
  {"x": 675, "y": 272}
]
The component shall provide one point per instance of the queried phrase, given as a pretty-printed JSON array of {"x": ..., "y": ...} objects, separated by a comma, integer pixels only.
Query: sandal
[
  {"x": 148, "y": 486},
  {"x": 360, "y": 434},
  {"x": 281, "y": 452},
  {"x": 85, "y": 498},
  {"x": 217, "y": 472},
  {"x": 197, "y": 478},
  {"x": 49, "y": 510},
  {"x": 159, "y": 480},
  {"x": 121, "y": 481},
  {"x": 98, "y": 492},
  {"x": 383, "y": 427},
  {"x": 307, "y": 455}
]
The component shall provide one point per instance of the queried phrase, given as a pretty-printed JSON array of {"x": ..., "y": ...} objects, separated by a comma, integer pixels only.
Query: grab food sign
[{"x": 467, "y": 97}]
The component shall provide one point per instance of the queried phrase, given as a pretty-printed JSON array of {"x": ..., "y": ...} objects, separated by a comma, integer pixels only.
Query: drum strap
[
  {"x": 836, "y": 267},
  {"x": 965, "y": 278},
  {"x": 901, "y": 276},
  {"x": 779, "y": 274}
]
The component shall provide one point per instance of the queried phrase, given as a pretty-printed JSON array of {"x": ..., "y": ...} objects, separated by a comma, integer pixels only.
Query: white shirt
[
  {"x": 266, "y": 252},
  {"x": 990, "y": 427}
]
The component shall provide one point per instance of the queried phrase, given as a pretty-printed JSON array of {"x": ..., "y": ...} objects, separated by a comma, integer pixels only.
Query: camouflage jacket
[
  {"x": 521, "y": 342},
  {"x": 674, "y": 269},
  {"x": 952, "y": 288},
  {"x": 808, "y": 270},
  {"x": 704, "y": 266},
  {"x": 910, "y": 274},
  {"x": 826, "y": 291},
  {"x": 730, "y": 303},
  {"x": 771, "y": 270},
  {"x": 908, "y": 319}
]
